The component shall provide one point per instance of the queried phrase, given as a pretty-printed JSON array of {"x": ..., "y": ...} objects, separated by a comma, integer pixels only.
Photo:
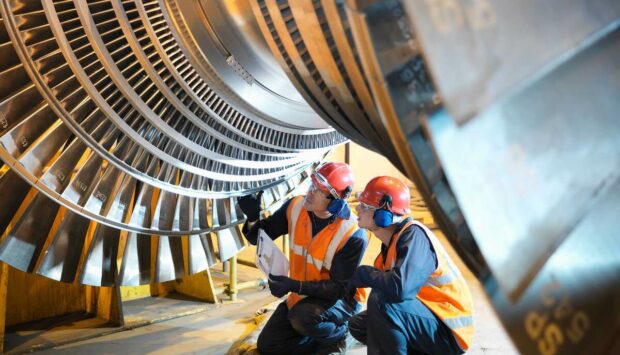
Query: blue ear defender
[
  {"x": 382, "y": 216},
  {"x": 337, "y": 204}
]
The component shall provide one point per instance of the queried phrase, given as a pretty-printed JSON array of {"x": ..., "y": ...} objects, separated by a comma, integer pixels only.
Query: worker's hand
[
  {"x": 341, "y": 311},
  {"x": 281, "y": 285},
  {"x": 250, "y": 205}
]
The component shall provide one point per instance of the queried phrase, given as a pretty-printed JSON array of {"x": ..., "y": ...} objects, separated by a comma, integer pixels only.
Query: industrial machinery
[{"x": 151, "y": 117}]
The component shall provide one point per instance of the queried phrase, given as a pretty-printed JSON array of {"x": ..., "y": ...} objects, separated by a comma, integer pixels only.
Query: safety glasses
[
  {"x": 315, "y": 189},
  {"x": 325, "y": 183},
  {"x": 365, "y": 207}
]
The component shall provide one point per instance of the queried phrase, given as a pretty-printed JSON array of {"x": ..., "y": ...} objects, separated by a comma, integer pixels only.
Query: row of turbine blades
[
  {"x": 116, "y": 146},
  {"x": 41, "y": 236}
]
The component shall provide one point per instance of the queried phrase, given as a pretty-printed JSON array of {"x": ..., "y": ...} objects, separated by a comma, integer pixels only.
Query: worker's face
[
  {"x": 316, "y": 199},
  {"x": 365, "y": 216}
]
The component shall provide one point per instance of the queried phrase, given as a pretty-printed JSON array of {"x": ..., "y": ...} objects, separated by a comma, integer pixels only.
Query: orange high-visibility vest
[
  {"x": 445, "y": 293},
  {"x": 311, "y": 258}
]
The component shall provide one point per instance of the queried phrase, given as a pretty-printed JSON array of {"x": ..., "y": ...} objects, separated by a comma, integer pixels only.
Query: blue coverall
[
  {"x": 320, "y": 319},
  {"x": 395, "y": 321}
]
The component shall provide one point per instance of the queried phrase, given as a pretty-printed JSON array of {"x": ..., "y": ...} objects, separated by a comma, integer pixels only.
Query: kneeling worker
[
  {"x": 326, "y": 246},
  {"x": 420, "y": 302}
]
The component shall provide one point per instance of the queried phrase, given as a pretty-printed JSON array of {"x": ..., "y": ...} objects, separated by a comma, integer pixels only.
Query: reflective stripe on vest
[
  {"x": 297, "y": 203},
  {"x": 312, "y": 257},
  {"x": 331, "y": 249},
  {"x": 449, "y": 275},
  {"x": 445, "y": 293},
  {"x": 459, "y": 322}
]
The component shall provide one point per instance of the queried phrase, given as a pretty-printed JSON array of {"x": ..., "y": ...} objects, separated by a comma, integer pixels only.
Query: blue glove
[{"x": 281, "y": 285}]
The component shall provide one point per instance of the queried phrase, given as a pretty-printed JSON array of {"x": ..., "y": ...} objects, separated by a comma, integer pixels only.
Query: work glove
[
  {"x": 341, "y": 311},
  {"x": 250, "y": 205},
  {"x": 281, "y": 285}
]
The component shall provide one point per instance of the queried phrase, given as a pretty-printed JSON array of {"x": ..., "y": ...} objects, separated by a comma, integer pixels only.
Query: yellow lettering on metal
[
  {"x": 551, "y": 340},
  {"x": 559, "y": 319}
]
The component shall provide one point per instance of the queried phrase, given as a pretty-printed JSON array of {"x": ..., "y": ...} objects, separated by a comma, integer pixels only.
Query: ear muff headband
[
  {"x": 382, "y": 216},
  {"x": 386, "y": 201},
  {"x": 338, "y": 206}
]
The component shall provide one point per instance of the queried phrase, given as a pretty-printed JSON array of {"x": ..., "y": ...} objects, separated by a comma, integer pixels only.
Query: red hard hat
[
  {"x": 378, "y": 189},
  {"x": 334, "y": 178}
]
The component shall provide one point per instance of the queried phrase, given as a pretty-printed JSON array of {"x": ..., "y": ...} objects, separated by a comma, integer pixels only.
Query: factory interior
[{"x": 131, "y": 131}]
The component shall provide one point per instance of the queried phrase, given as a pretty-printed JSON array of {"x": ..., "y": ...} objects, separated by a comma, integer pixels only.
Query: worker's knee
[
  {"x": 302, "y": 325},
  {"x": 304, "y": 318}
]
